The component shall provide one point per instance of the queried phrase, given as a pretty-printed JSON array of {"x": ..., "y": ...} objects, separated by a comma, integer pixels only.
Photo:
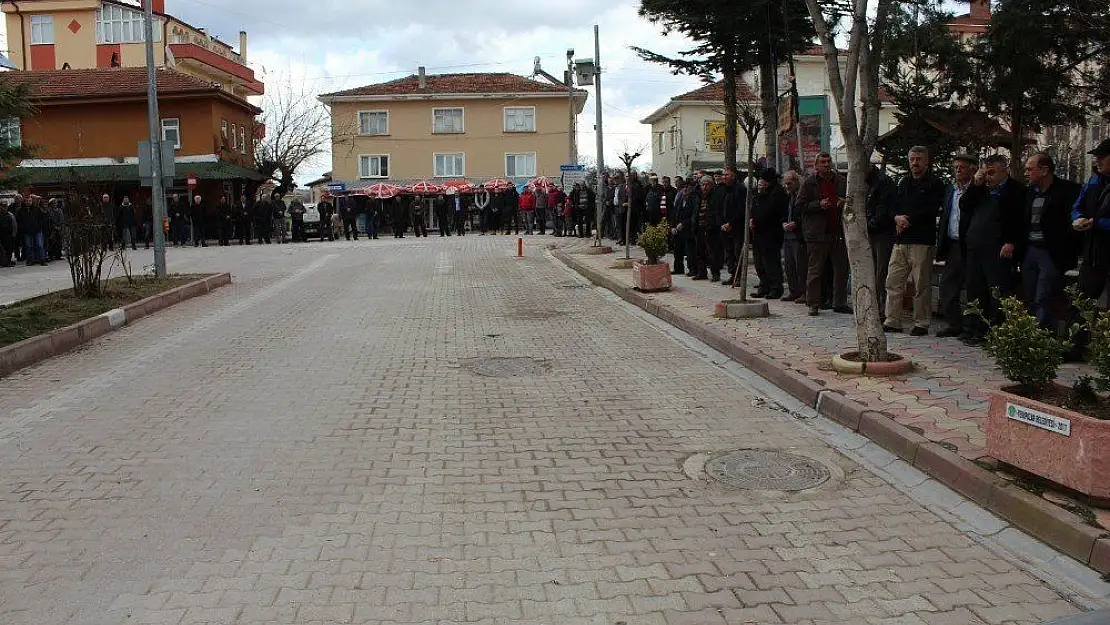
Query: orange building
[
  {"x": 85, "y": 34},
  {"x": 89, "y": 122}
]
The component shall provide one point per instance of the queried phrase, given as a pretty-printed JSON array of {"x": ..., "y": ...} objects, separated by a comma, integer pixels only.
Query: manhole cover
[
  {"x": 506, "y": 367},
  {"x": 755, "y": 469}
]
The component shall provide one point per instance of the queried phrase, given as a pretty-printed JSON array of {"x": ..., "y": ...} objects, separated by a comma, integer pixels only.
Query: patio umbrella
[
  {"x": 424, "y": 188},
  {"x": 542, "y": 183},
  {"x": 460, "y": 186},
  {"x": 381, "y": 191},
  {"x": 497, "y": 183}
]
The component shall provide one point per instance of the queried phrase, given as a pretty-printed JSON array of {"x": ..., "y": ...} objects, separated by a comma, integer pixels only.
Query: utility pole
[
  {"x": 157, "y": 194},
  {"x": 573, "y": 113},
  {"x": 599, "y": 203}
]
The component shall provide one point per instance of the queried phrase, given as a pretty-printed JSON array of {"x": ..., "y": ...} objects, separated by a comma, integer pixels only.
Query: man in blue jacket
[{"x": 1091, "y": 216}]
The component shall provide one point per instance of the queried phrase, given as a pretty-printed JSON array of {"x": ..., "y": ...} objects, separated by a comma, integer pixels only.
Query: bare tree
[
  {"x": 628, "y": 157},
  {"x": 750, "y": 121},
  {"x": 861, "y": 132},
  {"x": 296, "y": 131}
]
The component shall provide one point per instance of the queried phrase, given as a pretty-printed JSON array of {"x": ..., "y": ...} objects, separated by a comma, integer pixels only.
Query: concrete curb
[
  {"x": 1041, "y": 519},
  {"x": 39, "y": 348}
]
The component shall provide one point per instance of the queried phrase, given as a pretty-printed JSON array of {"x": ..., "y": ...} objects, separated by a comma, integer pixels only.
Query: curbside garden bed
[
  {"x": 1043, "y": 520},
  {"x": 35, "y": 349}
]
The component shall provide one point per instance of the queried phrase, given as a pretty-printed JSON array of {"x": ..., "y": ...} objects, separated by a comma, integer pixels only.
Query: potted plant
[
  {"x": 652, "y": 275},
  {"x": 1041, "y": 426}
]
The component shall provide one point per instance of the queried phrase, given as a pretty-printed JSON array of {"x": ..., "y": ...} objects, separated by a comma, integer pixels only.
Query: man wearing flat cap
[{"x": 1091, "y": 217}]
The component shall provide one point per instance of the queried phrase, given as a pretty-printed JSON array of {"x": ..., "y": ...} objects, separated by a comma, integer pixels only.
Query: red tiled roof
[
  {"x": 104, "y": 83},
  {"x": 439, "y": 84},
  {"x": 715, "y": 92}
]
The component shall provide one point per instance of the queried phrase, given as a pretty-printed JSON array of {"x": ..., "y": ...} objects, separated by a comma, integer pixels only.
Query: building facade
[
  {"x": 88, "y": 125},
  {"x": 450, "y": 126},
  {"x": 688, "y": 131},
  {"x": 86, "y": 34}
]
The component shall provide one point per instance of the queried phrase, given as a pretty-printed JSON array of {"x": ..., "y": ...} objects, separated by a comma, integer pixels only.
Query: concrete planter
[
  {"x": 1061, "y": 445},
  {"x": 848, "y": 363},
  {"x": 648, "y": 278},
  {"x": 735, "y": 309}
]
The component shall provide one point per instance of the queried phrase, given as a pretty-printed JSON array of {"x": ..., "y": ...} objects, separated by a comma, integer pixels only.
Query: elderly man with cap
[
  {"x": 705, "y": 224},
  {"x": 769, "y": 209},
  {"x": 1091, "y": 217}
]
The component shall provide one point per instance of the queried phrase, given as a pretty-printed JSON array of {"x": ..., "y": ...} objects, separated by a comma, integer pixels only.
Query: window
[
  {"x": 42, "y": 29},
  {"x": 671, "y": 137},
  {"x": 659, "y": 142},
  {"x": 447, "y": 120},
  {"x": 223, "y": 132},
  {"x": 10, "y": 134},
  {"x": 117, "y": 24},
  {"x": 520, "y": 165},
  {"x": 171, "y": 132},
  {"x": 373, "y": 123},
  {"x": 450, "y": 165},
  {"x": 242, "y": 140},
  {"x": 234, "y": 137},
  {"x": 373, "y": 166},
  {"x": 520, "y": 119}
]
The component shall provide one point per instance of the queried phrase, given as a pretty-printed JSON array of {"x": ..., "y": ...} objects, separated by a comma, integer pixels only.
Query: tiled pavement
[
  {"x": 944, "y": 399},
  {"x": 307, "y": 446}
]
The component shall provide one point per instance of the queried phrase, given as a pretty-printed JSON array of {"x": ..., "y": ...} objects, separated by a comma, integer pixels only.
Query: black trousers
[
  {"x": 769, "y": 267},
  {"x": 460, "y": 223},
  {"x": 985, "y": 272},
  {"x": 444, "y": 222},
  {"x": 952, "y": 285},
  {"x": 708, "y": 252},
  {"x": 678, "y": 243},
  {"x": 732, "y": 244},
  {"x": 262, "y": 231},
  {"x": 350, "y": 227},
  {"x": 797, "y": 264}
]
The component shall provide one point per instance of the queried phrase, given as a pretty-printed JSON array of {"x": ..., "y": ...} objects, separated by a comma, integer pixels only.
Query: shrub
[
  {"x": 1027, "y": 353},
  {"x": 653, "y": 240},
  {"x": 1096, "y": 325}
]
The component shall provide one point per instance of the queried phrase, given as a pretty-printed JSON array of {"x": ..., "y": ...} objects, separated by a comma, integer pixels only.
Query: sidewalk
[{"x": 943, "y": 400}]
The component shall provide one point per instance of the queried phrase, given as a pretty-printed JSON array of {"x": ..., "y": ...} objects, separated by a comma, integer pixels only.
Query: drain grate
[
  {"x": 757, "y": 469},
  {"x": 506, "y": 367}
]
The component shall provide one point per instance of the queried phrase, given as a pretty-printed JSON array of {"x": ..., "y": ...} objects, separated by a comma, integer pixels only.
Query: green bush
[
  {"x": 1096, "y": 324},
  {"x": 653, "y": 240},
  {"x": 1027, "y": 353}
]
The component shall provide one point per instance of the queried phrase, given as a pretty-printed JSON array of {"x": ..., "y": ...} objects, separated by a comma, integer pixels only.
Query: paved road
[{"x": 309, "y": 446}]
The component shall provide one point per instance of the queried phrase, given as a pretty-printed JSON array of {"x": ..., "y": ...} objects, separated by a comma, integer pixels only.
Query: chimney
[
  {"x": 243, "y": 46},
  {"x": 158, "y": 6},
  {"x": 981, "y": 10},
  {"x": 422, "y": 77}
]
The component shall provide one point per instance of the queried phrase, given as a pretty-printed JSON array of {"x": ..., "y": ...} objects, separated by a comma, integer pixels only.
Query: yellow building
[
  {"x": 85, "y": 34},
  {"x": 450, "y": 126}
]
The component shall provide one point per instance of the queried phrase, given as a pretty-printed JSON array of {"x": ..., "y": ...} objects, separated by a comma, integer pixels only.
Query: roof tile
[
  {"x": 715, "y": 92},
  {"x": 104, "y": 82},
  {"x": 438, "y": 84}
]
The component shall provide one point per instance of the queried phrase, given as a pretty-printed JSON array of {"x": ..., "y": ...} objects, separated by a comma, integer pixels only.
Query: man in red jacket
[{"x": 527, "y": 209}]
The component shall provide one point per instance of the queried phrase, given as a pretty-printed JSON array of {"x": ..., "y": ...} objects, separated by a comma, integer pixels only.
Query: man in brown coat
[{"x": 821, "y": 205}]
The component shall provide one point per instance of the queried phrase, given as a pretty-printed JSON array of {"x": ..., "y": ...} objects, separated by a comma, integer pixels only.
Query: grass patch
[{"x": 46, "y": 313}]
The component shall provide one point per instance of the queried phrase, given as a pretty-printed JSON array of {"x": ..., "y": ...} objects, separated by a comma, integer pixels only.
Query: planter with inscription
[{"x": 1061, "y": 445}]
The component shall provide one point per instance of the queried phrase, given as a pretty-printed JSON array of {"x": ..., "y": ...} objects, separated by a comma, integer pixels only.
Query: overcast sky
[{"x": 338, "y": 44}]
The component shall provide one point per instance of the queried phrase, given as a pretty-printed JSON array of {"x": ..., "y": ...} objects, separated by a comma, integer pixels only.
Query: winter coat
[
  {"x": 1094, "y": 203},
  {"x": 994, "y": 217},
  {"x": 125, "y": 216},
  {"x": 527, "y": 202},
  {"x": 769, "y": 209},
  {"x": 813, "y": 217},
  {"x": 881, "y": 193},
  {"x": 1060, "y": 239},
  {"x": 920, "y": 201}
]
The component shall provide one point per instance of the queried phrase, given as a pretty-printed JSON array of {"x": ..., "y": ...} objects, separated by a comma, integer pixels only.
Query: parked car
[{"x": 312, "y": 225}]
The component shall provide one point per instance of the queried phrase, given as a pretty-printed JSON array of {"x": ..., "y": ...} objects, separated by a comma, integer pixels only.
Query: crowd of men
[{"x": 997, "y": 235}]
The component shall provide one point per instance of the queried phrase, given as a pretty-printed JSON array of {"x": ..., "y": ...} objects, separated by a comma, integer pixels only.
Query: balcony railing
[{"x": 208, "y": 43}]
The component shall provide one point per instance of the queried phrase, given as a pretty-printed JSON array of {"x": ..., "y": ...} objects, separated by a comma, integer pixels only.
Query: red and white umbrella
[
  {"x": 380, "y": 190},
  {"x": 460, "y": 186},
  {"x": 424, "y": 188},
  {"x": 542, "y": 183},
  {"x": 497, "y": 184}
]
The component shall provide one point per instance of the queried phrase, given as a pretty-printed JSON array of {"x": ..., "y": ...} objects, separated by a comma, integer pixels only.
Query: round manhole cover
[
  {"x": 506, "y": 367},
  {"x": 755, "y": 469}
]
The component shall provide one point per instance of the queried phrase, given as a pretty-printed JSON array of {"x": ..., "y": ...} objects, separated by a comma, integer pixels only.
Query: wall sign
[{"x": 1039, "y": 419}]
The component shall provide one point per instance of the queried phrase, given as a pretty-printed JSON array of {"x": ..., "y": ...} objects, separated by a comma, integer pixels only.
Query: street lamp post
[{"x": 157, "y": 194}]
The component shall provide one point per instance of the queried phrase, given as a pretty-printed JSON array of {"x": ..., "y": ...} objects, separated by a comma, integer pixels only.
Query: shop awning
[{"x": 42, "y": 176}]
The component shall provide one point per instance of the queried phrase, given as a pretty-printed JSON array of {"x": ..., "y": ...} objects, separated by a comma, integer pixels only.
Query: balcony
[{"x": 211, "y": 56}]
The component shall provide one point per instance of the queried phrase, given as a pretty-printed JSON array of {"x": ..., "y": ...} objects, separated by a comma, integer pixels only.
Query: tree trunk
[
  {"x": 769, "y": 104},
  {"x": 1017, "y": 133},
  {"x": 870, "y": 339},
  {"x": 731, "y": 114},
  {"x": 742, "y": 262}
]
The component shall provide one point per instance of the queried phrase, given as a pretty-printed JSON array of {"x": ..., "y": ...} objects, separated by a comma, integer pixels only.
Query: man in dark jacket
[
  {"x": 949, "y": 247},
  {"x": 108, "y": 218},
  {"x": 263, "y": 226},
  {"x": 1091, "y": 217},
  {"x": 225, "y": 221},
  {"x": 917, "y": 204},
  {"x": 31, "y": 223},
  {"x": 728, "y": 201},
  {"x": 125, "y": 223},
  {"x": 678, "y": 217},
  {"x": 197, "y": 217},
  {"x": 510, "y": 214},
  {"x": 348, "y": 216},
  {"x": 296, "y": 216},
  {"x": 794, "y": 246},
  {"x": 706, "y": 224},
  {"x": 1050, "y": 245},
  {"x": 992, "y": 234},
  {"x": 277, "y": 218},
  {"x": 7, "y": 236},
  {"x": 443, "y": 219},
  {"x": 243, "y": 215},
  {"x": 820, "y": 202},
  {"x": 880, "y": 225},
  {"x": 769, "y": 208},
  {"x": 179, "y": 220}
]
